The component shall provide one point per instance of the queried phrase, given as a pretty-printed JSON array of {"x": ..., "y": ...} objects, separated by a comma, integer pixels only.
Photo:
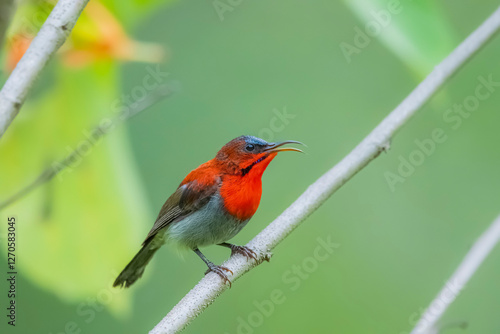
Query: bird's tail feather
[{"x": 134, "y": 270}]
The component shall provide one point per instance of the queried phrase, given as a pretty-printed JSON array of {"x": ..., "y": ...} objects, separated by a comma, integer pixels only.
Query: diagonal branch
[
  {"x": 211, "y": 286},
  {"x": 48, "y": 40},
  {"x": 471, "y": 262}
]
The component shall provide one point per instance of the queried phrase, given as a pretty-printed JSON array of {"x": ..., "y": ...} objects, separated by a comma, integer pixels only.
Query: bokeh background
[{"x": 276, "y": 69}]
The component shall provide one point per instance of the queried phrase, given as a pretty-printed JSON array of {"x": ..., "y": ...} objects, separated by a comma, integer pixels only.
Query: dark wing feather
[{"x": 187, "y": 199}]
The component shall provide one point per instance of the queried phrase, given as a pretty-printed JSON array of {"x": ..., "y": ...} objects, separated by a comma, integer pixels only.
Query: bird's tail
[{"x": 134, "y": 270}]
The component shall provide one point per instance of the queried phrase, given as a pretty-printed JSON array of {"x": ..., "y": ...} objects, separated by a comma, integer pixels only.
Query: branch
[
  {"x": 48, "y": 40},
  {"x": 471, "y": 262},
  {"x": 211, "y": 286},
  {"x": 97, "y": 132},
  {"x": 6, "y": 10}
]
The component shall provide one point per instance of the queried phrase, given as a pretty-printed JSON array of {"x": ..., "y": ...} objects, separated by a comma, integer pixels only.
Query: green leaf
[
  {"x": 417, "y": 32},
  {"x": 131, "y": 12},
  {"x": 77, "y": 231}
]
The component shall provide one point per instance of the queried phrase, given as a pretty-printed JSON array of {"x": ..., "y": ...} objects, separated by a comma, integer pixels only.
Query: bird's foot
[
  {"x": 221, "y": 271},
  {"x": 245, "y": 251}
]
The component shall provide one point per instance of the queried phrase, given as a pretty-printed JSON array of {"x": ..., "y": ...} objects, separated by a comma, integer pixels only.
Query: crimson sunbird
[{"x": 211, "y": 205}]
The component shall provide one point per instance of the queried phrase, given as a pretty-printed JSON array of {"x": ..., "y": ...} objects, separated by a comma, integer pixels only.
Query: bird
[{"x": 211, "y": 205}]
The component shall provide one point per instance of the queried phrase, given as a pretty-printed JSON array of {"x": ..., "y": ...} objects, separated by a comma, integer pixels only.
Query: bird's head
[{"x": 248, "y": 154}]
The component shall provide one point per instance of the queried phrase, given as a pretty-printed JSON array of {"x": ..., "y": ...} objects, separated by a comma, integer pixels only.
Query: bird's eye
[{"x": 249, "y": 147}]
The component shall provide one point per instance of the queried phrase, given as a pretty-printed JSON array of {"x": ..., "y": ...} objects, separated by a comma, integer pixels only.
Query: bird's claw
[
  {"x": 245, "y": 251},
  {"x": 219, "y": 270}
]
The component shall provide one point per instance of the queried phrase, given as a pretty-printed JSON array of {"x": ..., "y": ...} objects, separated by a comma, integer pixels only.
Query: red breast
[{"x": 241, "y": 193}]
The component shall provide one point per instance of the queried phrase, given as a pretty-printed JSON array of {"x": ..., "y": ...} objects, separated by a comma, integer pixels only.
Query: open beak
[{"x": 276, "y": 147}]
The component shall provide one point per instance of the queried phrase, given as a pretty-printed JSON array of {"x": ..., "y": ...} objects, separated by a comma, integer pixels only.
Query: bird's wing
[{"x": 188, "y": 198}]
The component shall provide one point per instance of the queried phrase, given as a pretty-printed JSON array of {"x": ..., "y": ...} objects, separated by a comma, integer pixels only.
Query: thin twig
[
  {"x": 49, "y": 39},
  {"x": 98, "y": 132},
  {"x": 471, "y": 262},
  {"x": 211, "y": 286}
]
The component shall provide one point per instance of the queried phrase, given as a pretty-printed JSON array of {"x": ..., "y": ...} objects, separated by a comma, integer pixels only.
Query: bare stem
[
  {"x": 211, "y": 286},
  {"x": 471, "y": 262},
  {"x": 48, "y": 40}
]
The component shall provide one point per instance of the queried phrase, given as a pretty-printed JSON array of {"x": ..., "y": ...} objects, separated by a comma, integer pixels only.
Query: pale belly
[{"x": 208, "y": 226}]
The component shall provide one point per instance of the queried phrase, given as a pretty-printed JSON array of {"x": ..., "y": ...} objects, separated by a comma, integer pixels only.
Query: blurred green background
[{"x": 236, "y": 66}]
